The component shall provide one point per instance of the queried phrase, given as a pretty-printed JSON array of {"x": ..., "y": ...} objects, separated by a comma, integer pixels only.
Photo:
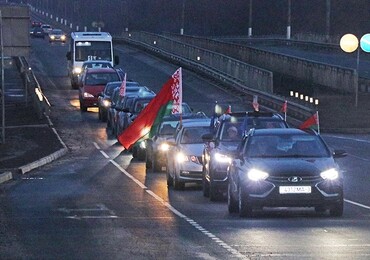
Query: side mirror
[
  {"x": 69, "y": 55},
  {"x": 339, "y": 153}
]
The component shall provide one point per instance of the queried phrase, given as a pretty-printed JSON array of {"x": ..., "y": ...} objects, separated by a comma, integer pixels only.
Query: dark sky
[{"x": 216, "y": 17}]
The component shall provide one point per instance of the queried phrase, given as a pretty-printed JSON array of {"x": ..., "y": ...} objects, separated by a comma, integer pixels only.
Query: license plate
[{"x": 294, "y": 189}]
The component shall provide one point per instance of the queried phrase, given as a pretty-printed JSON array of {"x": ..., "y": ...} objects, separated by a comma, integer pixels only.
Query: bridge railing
[{"x": 187, "y": 55}]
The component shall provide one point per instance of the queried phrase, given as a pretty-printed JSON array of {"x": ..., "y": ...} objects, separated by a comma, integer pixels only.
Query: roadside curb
[{"x": 6, "y": 176}]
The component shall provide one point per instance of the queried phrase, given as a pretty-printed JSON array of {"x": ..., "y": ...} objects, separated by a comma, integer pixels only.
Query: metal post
[
  {"x": 2, "y": 80},
  {"x": 182, "y": 18},
  {"x": 288, "y": 29},
  {"x": 250, "y": 18},
  {"x": 357, "y": 76}
]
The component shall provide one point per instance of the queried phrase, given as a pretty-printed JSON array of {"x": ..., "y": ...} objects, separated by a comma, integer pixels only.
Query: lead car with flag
[{"x": 170, "y": 95}]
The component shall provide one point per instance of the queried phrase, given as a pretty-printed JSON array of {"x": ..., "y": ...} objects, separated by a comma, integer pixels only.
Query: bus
[{"x": 88, "y": 46}]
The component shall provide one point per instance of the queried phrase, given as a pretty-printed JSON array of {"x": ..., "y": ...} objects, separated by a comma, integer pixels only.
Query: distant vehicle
[
  {"x": 85, "y": 46},
  {"x": 57, "y": 35},
  {"x": 36, "y": 24},
  {"x": 92, "y": 84},
  {"x": 184, "y": 157},
  {"x": 47, "y": 28},
  {"x": 284, "y": 168},
  {"x": 104, "y": 99},
  {"x": 227, "y": 132},
  {"x": 37, "y": 32}
]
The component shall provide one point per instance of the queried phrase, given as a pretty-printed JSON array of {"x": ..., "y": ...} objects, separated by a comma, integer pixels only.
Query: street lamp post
[
  {"x": 288, "y": 29},
  {"x": 250, "y": 18},
  {"x": 182, "y": 18}
]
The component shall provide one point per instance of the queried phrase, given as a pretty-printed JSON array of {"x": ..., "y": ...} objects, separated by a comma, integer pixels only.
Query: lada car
[{"x": 284, "y": 168}]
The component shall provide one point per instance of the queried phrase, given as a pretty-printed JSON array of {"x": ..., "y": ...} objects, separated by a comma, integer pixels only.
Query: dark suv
[{"x": 226, "y": 133}]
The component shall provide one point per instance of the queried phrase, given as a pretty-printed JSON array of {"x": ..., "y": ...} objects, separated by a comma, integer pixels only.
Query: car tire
[
  {"x": 245, "y": 208},
  {"x": 177, "y": 184},
  {"x": 214, "y": 194},
  {"x": 232, "y": 204},
  {"x": 337, "y": 209},
  {"x": 169, "y": 178},
  {"x": 205, "y": 185}
]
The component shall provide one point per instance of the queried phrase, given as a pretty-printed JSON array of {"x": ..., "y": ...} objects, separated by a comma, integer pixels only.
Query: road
[{"x": 98, "y": 202}]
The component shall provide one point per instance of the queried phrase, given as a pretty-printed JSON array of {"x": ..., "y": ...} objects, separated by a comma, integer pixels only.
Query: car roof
[
  {"x": 100, "y": 70},
  {"x": 196, "y": 122},
  {"x": 280, "y": 131}
]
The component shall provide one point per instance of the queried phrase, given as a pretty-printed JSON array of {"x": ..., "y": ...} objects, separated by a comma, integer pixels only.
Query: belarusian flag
[
  {"x": 170, "y": 96},
  {"x": 122, "y": 88},
  {"x": 311, "y": 122}
]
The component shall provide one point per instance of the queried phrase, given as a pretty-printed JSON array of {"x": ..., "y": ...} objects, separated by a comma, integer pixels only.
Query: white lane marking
[
  {"x": 101, "y": 151},
  {"x": 348, "y": 138},
  {"x": 233, "y": 251},
  {"x": 357, "y": 204}
]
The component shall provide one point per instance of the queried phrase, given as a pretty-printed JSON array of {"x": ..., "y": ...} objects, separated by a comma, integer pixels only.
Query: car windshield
[
  {"x": 286, "y": 146},
  {"x": 57, "y": 32},
  {"x": 109, "y": 88},
  {"x": 168, "y": 128},
  {"x": 100, "y": 78},
  {"x": 193, "y": 135}
]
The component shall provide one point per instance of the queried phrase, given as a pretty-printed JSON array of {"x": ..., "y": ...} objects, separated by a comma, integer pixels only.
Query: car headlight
[
  {"x": 331, "y": 174},
  {"x": 106, "y": 103},
  {"x": 88, "y": 95},
  {"x": 63, "y": 37},
  {"x": 181, "y": 157},
  {"x": 77, "y": 70},
  {"x": 219, "y": 157},
  {"x": 52, "y": 37},
  {"x": 257, "y": 175},
  {"x": 164, "y": 147}
]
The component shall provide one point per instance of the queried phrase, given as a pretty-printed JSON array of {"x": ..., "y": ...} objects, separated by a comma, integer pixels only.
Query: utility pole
[
  {"x": 288, "y": 29},
  {"x": 2, "y": 80},
  {"x": 328, "y": 10},
  {"x": 250, "y": 18}
]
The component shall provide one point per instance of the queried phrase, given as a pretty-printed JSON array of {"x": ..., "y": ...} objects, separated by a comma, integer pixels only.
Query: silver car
[{"x": 184, "y": 158}]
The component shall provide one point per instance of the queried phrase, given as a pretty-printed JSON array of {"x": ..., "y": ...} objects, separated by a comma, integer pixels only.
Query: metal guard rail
[
  {"x": 33, "y": 88},
  {"x": 297, "y": 112}
]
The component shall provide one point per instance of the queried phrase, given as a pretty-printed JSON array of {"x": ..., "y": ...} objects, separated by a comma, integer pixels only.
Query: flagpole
[{"x": 318, "y": 121}]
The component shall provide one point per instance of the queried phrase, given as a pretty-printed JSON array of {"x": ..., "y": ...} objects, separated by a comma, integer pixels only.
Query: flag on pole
[
  {"x": 311, "y": 122},
  {"x": 255, "y": 104},
  {"x": 171, "y": 93},
  {"x": 284, "y": 108},
  {"x": 228, "y": 110},
  {"x": 122, "y": 88}
]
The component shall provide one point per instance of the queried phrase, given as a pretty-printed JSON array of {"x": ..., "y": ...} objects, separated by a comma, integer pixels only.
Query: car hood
[
  {"x": 191, "y": 149},
  {"x": 289, "y": 166},
  {"x": 93, "y": 89}
]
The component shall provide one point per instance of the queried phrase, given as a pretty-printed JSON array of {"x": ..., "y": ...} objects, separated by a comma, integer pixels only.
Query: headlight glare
[
  {"x": 180, "y": 157},
  {"x": 331, "y": 174},
  {"x": 257, "y": 175},
  {"x": 106, "y": 103},
  {"x": 88, "y": 95},
  {"x": 222, "y": 158},
  {"x": 77, "y": 70},
  {"x": 164, "y": 147}
]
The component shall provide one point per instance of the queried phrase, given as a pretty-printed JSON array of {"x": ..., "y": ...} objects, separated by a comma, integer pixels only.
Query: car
[
  {"x": 92, "y": 84},
  {"x": 118, "y": 103},
  {"x": 89, "y": 64},
  {"x": 104, "y": 98},
  {"x": 184, "y": 157},
  {"x": 36, "y": 24},
  {"x": 284, "y": 168},
  {"x": 47, "y": 28},
  {"x": 132, "y": 105},
  {"x": 57, "y": 35},
  {"x": 226, "y": 134},
  {"x": 37, "y": 32},
  {"x": 155, "y": 147}
]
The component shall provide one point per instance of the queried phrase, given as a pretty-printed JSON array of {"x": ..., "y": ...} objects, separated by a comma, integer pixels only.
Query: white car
[{"x": 184, "y": 159}]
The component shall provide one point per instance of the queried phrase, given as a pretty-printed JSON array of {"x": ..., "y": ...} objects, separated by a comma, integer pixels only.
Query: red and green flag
[
  {"x": 168, "y": 100},
  {"x": 311, "y": 122}
]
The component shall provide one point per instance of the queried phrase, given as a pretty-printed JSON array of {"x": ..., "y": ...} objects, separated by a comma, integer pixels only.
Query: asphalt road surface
[{"x": 98, "y": 202}]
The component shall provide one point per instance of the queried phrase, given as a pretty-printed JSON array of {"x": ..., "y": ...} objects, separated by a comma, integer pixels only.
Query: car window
[
  {"x": 285, "y": 146},
  {"x": 193, "y": 135}
]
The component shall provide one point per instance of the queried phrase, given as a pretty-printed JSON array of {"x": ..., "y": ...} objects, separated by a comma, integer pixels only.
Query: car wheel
[
  {"x": 177, "y": 185},
  {"x": 245, "y": 209},
  {"x": 214, "y": 195},
  {"x": 205, "y": 185},
  {"x": 169, "y": 178},
  {"x": 232, "y": 204},
  {"x": 337, "y": 209}
]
